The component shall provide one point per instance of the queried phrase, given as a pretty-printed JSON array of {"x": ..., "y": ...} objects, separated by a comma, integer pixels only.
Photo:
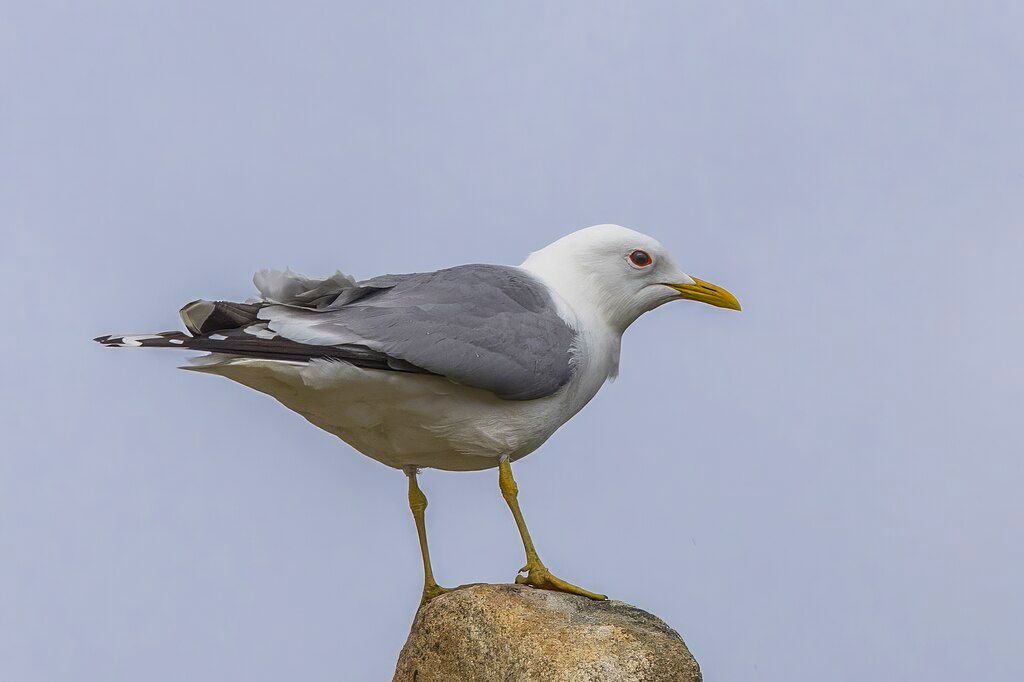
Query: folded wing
[
  {"x": 491, "y": 327},
  {"x": 487, "y": 326}
]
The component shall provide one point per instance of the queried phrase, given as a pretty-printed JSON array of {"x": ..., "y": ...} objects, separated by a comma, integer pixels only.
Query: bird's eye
[{"x": 640, "y": 259}]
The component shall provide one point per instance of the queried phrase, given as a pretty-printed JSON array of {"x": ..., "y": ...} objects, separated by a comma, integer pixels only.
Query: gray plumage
[{"x": 486, "y": 326}]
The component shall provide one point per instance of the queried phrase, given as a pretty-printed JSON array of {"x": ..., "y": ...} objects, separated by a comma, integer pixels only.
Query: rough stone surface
[{"x": 515, "y": 632}]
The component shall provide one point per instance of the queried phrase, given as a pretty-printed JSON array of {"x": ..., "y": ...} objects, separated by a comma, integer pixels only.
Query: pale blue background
[{"x": 827, "y": 486}]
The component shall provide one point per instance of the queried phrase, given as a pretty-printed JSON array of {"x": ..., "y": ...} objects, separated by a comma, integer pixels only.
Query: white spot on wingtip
[
  {"x": 177, "y": 342},
  {"x": 137, "y": 340},
  {"x": 218, "y": 337},
  {"x": 260, "y": 331}
]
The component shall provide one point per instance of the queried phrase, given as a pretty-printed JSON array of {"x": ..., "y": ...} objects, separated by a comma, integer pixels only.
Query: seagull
[{"x": 463, "y": 369}]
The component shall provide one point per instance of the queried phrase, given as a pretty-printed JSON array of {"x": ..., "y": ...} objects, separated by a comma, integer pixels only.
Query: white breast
[{"x": 405, "y": 419}]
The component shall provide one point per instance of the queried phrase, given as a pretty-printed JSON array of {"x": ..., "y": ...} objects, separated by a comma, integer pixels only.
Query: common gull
[{"x": 467, "y": 368}]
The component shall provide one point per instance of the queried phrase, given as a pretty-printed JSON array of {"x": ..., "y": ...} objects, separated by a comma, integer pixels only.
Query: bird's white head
[{"x": 619, "y": 274}]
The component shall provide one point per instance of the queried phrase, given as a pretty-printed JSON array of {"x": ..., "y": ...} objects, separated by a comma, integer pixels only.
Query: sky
[{"x": 824, "y": 486}]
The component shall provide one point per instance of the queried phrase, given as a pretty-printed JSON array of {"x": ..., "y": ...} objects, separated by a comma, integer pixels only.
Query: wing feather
[
  {"x": 491, "y": 327},
  {"x": 488, "y": 326}
]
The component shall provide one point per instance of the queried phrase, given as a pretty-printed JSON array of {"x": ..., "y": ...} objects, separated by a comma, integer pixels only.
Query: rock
[{"x": 514, "y": 632}]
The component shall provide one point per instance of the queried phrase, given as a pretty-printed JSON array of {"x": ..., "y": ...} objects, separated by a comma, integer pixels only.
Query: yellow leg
[
  {"x": 418, "y": 504},
  {"x": 536, "y": 572}
]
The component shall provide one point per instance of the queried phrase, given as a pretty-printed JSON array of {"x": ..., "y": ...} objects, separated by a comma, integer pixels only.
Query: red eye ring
[{"x": 640, "y": 259}]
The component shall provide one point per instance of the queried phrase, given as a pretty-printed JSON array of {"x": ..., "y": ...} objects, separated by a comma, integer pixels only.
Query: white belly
[{"x": 403, "y": 419}]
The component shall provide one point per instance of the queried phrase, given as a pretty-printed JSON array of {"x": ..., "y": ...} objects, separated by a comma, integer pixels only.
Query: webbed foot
[{"x": 537, "y": 575}]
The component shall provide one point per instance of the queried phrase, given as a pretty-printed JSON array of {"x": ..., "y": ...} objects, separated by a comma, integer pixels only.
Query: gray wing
[{"x": 487, "y": 326}]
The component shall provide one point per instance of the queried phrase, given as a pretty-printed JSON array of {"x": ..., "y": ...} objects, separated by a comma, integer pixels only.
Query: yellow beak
[{"x": 706, "y": 292}]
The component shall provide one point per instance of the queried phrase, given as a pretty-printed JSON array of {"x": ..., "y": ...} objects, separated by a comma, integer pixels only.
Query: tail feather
[
  {"x": 257, "y": 341},
  {"x": 161, "y": 340},
  {"x": 234, "y": 329},
  {"x": 205, "y": 317},
  {"x": 240, "y": 342}
]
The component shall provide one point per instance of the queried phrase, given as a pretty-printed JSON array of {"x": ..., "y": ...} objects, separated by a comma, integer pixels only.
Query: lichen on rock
[{"x": 518, "y": 633}]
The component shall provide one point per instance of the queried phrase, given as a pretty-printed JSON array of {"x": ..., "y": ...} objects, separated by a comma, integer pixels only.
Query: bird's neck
[
  {"x": 600, "y": 334},
  {"x": 584, "y": 291}
]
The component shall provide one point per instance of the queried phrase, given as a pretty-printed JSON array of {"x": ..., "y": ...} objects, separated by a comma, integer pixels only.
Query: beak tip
[{"x": 705, "y": 292}]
